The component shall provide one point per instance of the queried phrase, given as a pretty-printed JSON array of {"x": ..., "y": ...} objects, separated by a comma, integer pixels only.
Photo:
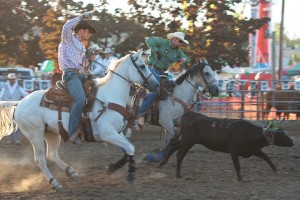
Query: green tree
[
  {"x": 13, "y": 25},
  {"x": 214, "y": 31}
]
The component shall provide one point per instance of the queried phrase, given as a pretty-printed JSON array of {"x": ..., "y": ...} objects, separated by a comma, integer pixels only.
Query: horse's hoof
[
  {"x": 178, "y": 176},
  {"x": 154, "y": 157},
  {"x": 111, "y": 168},
  {"x": 131, "y": 177},
  {"x": 75, "y": 177},
  {"x": 60, "y": 189}
]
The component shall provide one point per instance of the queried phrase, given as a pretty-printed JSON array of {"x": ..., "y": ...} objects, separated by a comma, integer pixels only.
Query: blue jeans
[
  {"x": 147, "y": 102},
  {"x": 74, "y": 82}
]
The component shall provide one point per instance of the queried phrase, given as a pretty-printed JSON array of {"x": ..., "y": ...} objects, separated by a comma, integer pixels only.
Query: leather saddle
[
  {"x": 58, "y": 98},
  {"x": 166, "y": 87}
]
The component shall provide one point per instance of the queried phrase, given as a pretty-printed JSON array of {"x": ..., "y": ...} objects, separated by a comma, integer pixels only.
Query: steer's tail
[{"x": 6, "y": 117}]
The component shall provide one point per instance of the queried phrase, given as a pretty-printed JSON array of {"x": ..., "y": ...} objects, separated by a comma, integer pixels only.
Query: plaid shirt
[{"x": 71, "y": 51}]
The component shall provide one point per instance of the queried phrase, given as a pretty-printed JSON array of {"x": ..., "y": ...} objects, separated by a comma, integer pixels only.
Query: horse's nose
[{"x": 216, "y": 92}]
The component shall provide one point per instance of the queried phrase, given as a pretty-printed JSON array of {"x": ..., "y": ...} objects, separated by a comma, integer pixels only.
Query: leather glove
[
  {"x": 87, "y": 15},
  {"x": 158, "y": 55},
  {"x": 92, "y": 56}
]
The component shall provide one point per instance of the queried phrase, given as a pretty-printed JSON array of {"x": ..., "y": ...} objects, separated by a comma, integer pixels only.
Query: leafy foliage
[
  {"x": 30, "y": 30},
  {"x": 214, "y": 31}
]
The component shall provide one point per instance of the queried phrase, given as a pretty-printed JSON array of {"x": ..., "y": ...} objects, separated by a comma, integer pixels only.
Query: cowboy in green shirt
[{"x": 163, "y": 53}]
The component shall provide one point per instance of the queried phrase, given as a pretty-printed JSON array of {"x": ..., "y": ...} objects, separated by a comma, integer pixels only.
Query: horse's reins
[
  {"x": 123, "y": 111},
  {"x": 139, "y": 71},
  {"x": 182, "y": 103},
  {"x": 206, "y": 83}
]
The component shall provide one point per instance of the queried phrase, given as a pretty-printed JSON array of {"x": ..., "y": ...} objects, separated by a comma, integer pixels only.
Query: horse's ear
[{"x": 202, "y": 60}]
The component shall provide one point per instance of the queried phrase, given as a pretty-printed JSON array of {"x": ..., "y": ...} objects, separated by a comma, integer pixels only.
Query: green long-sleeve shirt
[{"x": 168, "y": 54}]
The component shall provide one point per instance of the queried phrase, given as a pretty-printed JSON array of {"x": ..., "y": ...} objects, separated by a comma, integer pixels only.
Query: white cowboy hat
[
  {"x": 95, "y": 47},
  {"x": 179, "y": 35},
  {"x": 107, "y": 50},
  {"x": 12, "y": 76}
]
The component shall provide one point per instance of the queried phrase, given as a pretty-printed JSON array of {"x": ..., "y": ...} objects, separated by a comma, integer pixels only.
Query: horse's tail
[{"x": 6, "y": 117}]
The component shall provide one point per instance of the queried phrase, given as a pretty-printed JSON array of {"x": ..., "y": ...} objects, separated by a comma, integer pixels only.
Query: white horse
[
  {"x": 178, "y": 102},
  {"x": 171, "y": 110},
  {"x": 40, "y": 123}
]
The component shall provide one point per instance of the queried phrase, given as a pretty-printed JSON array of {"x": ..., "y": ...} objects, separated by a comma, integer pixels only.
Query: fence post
[
  {"x": 261, "y": 103},
  {"x": 243, "y": 101},
  {"x": 257, "y": 105}
]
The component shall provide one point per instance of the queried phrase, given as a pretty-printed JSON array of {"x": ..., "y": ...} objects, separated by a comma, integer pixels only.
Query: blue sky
[{"x": 291, "y": 16}]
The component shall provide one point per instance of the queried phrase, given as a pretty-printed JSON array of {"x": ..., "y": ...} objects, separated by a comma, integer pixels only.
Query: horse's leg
[
  {"x": 174, "y": 146},
  {"x": 169, "y": 127},
  {"x": 118, "y": 139},
  {"x": 157, "y": 157},
  {"x": 120, "y": 163},
  {"x": 128, "y": 132},
  {"x": 36, "y": 137},
  {"x": 53, "y": 143}
]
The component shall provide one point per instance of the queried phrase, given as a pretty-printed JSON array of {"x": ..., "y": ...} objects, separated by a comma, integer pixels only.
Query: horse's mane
[
  {"x": 112, "y": 67},
  {"x": 192, "y": 72}
]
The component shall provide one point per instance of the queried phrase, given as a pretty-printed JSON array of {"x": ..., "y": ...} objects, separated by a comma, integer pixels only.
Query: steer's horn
[
  {"x": 270, "y": 125},
  {"x": 281, "y": 120}
]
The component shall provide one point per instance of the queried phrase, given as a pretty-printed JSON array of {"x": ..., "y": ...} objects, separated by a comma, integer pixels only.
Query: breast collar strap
[{"x": 113, "y": 106}]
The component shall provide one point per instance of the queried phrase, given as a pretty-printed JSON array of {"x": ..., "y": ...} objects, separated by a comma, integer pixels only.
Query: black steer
[{"x": 235, "y": 136}]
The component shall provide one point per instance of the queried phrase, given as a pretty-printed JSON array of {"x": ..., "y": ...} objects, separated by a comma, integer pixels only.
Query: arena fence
[
  {"x": 253, "y": 104},
  {"x": 253, "y": 100}
]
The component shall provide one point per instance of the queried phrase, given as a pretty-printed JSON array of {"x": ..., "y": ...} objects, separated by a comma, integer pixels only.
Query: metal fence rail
[{"x": 253, "y": 105}]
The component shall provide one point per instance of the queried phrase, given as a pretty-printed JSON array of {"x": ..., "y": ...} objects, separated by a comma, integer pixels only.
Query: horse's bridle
[
  {"x": 123, "y": 111},
  {"x": 139, "y": 71},
  {"x": 207, "y": 84},
  {"x": 182, "y": 103},
  {"x": 145, "y": 79}
]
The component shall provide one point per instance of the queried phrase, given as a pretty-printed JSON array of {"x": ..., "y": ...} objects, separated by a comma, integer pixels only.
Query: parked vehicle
[{"x": 25, "y": 74}]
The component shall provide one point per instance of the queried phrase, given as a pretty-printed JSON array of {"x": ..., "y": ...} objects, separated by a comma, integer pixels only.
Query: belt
[
  {"x": 159, "y": 69},
  {"x": 72, "y": 69}
]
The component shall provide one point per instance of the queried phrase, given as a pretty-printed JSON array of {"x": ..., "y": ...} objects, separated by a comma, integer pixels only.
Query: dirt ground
[{"x": 206, "y": 174}]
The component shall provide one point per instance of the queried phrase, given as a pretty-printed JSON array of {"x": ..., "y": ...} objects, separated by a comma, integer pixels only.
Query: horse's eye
[{"x": 206, "y": 74}]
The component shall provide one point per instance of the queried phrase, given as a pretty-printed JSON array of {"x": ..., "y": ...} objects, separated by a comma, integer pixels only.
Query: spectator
[
  {"x": 108, "y": 55},
  {"x": 98, "y": 66},
  {"x": 13, "y": 92},
  {"x": 102, "y": 62}
]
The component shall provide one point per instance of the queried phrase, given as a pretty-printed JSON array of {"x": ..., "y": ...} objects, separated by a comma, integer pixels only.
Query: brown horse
[{"x": 284, "y": 101}]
